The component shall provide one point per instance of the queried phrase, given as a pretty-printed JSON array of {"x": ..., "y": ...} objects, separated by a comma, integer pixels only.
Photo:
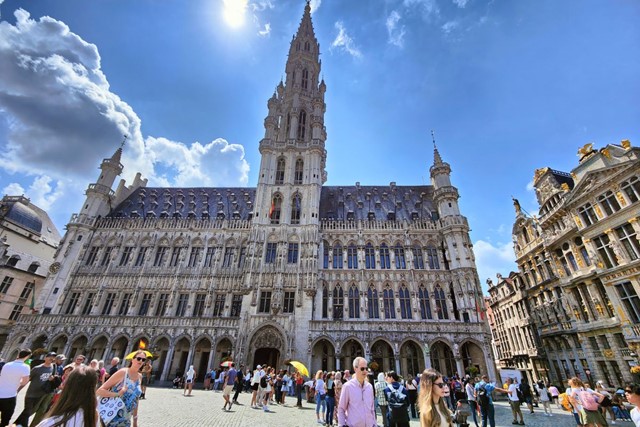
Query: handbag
[{"x": 108, "y": 407}]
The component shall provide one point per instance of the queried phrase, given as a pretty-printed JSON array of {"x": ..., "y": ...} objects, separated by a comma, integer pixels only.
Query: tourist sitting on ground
[
  {"x": 77, "y": 404},
  {"x": 177, "y": 381}
]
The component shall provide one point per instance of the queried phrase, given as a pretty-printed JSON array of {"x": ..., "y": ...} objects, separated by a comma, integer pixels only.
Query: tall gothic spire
[{"x": 437, "y": 160}]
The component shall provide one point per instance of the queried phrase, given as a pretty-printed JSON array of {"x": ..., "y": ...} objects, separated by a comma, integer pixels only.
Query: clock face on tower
[{"x": 54, "y": 268}]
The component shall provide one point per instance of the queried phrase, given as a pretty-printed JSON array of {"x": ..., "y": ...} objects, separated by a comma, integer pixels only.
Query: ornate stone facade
[
  {"x": 579, "y": 266},
  {"x": 291, "y": 269}
]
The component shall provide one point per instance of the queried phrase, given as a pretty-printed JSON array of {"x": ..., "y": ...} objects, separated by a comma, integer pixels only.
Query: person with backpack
[
  {"x": 585, "y": 401},
  {"x": 544, "y": 398},
  {"x": 527, "y": 396},
  {"x": 397, "y": 401},
  {"x": 484, "y": 398}
]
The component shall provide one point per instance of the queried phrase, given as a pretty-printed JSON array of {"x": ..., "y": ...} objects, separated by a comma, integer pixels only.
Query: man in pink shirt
[{"x": 356, "y": 407}]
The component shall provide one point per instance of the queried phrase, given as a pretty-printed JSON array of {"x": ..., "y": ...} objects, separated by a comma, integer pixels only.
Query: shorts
[
  {"x": 189, "y": 381},
  {"x": 227, "y": 390},
  {"x": 254, "y": 387},
  {"x": 145, "y": 380}
]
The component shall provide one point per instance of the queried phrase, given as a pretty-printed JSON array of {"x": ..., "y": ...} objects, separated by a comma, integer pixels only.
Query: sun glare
[{"x": 234, "y": 11}]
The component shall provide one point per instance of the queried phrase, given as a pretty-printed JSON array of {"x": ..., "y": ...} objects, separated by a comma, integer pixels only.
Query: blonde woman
[
  {"x": 321, "y": 392},
  {"x": 585, "y": 401},
  {"x": 433, "y": 409},
  {"x": 125, "y": 384}
]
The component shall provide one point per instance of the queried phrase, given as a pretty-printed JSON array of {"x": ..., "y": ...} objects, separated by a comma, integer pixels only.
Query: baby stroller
[{"x": 463, "y": 410}]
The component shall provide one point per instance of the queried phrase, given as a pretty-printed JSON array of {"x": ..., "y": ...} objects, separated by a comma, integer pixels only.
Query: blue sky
[{"x": 508, "y": 87}]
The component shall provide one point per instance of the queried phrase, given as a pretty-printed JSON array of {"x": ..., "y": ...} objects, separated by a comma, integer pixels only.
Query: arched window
[
  {"x": 325, "y": 302},
  {"x": 418, "y": 260},
  {"x": 297, "y": 176},
  {"x": 280, "y": 171},
  {"x": 354, "y": 302},
  {"x": 398, "y": 252},
  {"x": 305, "y": 79},
  {"x": 307, "y": 46},
  {"x": 288, "y": 133},
  {"x": 632, "y": 189},
  {"x": 338, "y": 303},
  {"x": 385, "y": 263},
  {"x": 432, "y": 257},
  {"x": 405, "y": 303},
  {"x": 372, "y": 303},
  {"x": 352, "y": 256},
  {"x": 583, "y": 251},
  {"x": 609, "y": 202},
  {"x": 525, "y": 234},
  {"x": 295, "y": 209},
  {"x": 13, "y": 261},
  {"x": 276, "y": 209},
  {"x": 302, "y": 124},
  {"x": 441, "y": 303},
  {"x": 425, "y": 305},
  {"x": 337, "y": 256},
  {"x": 325, "y": 254},
  {"x": 389, "y": 303},
  {"x": 369, "y": 257},
  {"x": 33, "y": 267}
]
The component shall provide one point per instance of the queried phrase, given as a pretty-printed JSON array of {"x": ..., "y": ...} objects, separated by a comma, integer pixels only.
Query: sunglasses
[
  {"x": 441, "y": 385},
  {"x": 363, "y": 368},
  {"x": 141, "y": 359}
]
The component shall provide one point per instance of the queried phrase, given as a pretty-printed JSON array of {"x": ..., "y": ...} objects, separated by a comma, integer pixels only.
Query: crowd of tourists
[{"x": 77, "y": 394}]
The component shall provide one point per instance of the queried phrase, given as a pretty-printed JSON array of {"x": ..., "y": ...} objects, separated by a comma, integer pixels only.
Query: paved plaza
[{"x": 168, "y": 407}]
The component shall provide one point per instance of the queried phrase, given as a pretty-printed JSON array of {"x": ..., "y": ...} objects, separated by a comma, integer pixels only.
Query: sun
[{"x": 234, "y": 11}]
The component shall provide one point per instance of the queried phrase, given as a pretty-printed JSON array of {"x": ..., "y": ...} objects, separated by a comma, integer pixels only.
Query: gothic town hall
[{"x": 290, "y": 269}]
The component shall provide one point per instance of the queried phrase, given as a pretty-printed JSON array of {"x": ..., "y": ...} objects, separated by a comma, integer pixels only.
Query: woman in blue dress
[{"x": 125, "y": 384}]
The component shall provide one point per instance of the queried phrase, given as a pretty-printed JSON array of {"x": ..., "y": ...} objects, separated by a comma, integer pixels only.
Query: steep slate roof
[{"x": 336, "y": 202}]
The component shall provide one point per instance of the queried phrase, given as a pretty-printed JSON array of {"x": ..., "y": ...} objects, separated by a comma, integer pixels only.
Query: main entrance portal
[
  {"x": 266, "y": 356},
  {"x": 266, "y": 347}
]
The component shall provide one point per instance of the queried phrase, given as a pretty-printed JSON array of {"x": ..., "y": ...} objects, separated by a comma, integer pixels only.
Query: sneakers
[
  {"x": 521, "y": 423},
  {"x": 514, "y": 422}
]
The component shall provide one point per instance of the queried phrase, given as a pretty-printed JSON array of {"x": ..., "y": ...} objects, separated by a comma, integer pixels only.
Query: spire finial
[
  {"x": 436, "y": 155},
  {"x": 123, "y": 141}
]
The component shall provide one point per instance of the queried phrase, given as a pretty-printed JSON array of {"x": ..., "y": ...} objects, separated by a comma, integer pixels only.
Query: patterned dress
[{"x": 130, "y": 399}]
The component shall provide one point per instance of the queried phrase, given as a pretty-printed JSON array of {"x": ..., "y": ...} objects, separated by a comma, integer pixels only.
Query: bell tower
[{"x": 292, "y": 168}]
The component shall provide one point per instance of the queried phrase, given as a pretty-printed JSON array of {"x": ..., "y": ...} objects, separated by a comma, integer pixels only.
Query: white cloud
[
  {"x": 13, "y": 189},
  {"x": 461, "y": 3},
  {"x": 449, "y": 26},
  {"x": 259, "y": 6},
  {"x": 62, "y": 120},
  {"x": 491, "y": 259},
  {"x": 344, "y": 42},
  {"x": 396, "y": 34},
  {"x": 266, "y": 31},
  {"x": 315, "y": 4}
]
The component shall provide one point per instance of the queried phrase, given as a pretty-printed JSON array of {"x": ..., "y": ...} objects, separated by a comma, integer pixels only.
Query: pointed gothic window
[
  {"x": 280, "y": 171},
  {"x": 369, "y": 257},
  {"x": 337, "y": 256},
  {"x": 305, "y": 79},
  {"x": 307, "y": 46},
  {"x": 405, "y": 303},
  {"x": 398, "y": 252},
  {"x": 432, "y": 257},
  {"x": 275, "y": 210},
  {"x": 354, "y": 302},
  {"x": 372, "y": 303},
  {"x": 418, "y": 260},
  {"x": 425, "y": 305},
  {"x": 297, "y": 177},
  {"x": 385, "y": 263},
  {"x": 325, "y": 254},
  {"x": 325, "y": 302},
  {"x": 302, "y": 124},
  {"x": 389, "y": 303},
  {"x": 288, "y": 132},
  {"x": 352, "y": 256},
  {"x": 338, "y": 302},
  {"x": 295, "y": 209},
  {"x": 441, "y": 303}
]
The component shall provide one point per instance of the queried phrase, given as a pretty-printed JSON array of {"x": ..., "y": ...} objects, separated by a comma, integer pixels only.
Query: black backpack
[
  {"x": 263, "y": 382},
  {"x": 397, "y": 399},
  {"x": 483, "y": 397},
  {"x": 525, "y": 389}
]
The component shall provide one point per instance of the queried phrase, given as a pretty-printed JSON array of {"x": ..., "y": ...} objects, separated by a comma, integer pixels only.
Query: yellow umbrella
[
  {"x": 130, "y": 355},
  {"x": 300, "y": 367}
]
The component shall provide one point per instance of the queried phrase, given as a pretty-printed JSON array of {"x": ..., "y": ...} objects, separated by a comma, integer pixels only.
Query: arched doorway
[
  {"x": 473, "y": 356},
  {"x": 119, "y": 347},
  {"x": 179, "y": 361},
  {"x": 267, "y": 346},
  {"x": 350, "y": 350},
  {"x": 98, "y": 349},
  {"x": 160, "y": 350},
  {"x": 39, "y": 343},
  {"x": 411, "y": 359},
  {"x": 323, "y": 356},
  {"x": 224, "y": 349},
  {"x": 59, "y": 344},
  {"x": 382, "y": 354},
  {"x": 201, "y": 359},
  {"x": 78, "y": 346},
  {"x": 442, "y": 359}
]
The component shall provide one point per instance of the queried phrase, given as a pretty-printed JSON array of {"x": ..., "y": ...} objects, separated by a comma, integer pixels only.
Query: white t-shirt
[
  {"x": 10, "y": 377},
  {"x": 76, "y": 421},
  {"x": 470, "y": 392},
  {"x": 513, "y": 394},
  {"x": 635, "y": 416}
]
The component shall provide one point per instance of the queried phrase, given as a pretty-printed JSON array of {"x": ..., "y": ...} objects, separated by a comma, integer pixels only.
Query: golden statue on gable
[
  {"x": 626, "y": 144},
  {"x": 586, "y": 150}
]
